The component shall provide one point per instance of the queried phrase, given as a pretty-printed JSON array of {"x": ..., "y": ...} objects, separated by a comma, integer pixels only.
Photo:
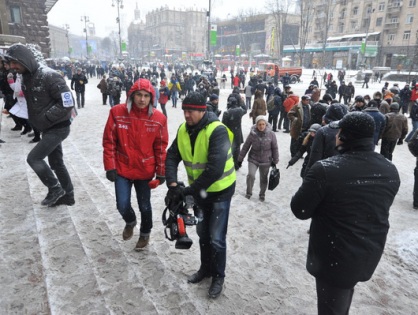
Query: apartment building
[
  {"x": 27, "y": 19},
  {"x": 362, "y": 33}
]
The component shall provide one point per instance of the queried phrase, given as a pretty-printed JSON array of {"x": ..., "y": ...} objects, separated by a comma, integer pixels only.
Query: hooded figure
[
  {"x": 50, "y": 107},
  {"x": 135, "y": 139},
  {"x": 44, "y": 109}
]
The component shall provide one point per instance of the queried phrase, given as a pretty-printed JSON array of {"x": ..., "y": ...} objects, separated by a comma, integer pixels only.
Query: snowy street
[{"x": 72, "y": 260}]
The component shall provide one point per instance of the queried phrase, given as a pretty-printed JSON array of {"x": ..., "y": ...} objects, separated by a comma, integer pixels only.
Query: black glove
[
  {"x": 111, "y": 175},
  {"x": 174, "y": 196},
  {"x": 161, "y": 179},
  {"x": 273, "y": 164},
  {"x": 400, "y": 142},
  {"x": 238, "y": 166}
]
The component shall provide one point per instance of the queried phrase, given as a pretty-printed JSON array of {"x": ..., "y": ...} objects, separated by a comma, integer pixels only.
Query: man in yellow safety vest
[{"x": 203, "y": 143}]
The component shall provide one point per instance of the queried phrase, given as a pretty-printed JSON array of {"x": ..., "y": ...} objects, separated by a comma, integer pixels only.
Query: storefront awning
[{"x": 359, "y": 35}]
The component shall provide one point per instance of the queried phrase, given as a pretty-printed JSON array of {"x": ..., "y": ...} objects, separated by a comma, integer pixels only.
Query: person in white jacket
[{"x": 20, "y": 108}]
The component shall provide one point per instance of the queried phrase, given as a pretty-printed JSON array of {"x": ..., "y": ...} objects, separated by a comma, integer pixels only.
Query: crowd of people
[{"x": 338, "y": 137}]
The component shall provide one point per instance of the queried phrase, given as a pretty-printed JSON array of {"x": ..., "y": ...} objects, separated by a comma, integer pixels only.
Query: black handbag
[{"x": 274, "y": 178}]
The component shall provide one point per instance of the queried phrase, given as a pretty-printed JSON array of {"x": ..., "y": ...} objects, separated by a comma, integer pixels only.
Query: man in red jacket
[{"x": 134, "y": 142}]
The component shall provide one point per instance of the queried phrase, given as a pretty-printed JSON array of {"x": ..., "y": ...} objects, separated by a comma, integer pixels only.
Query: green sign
[
  {"x": 123, "y": 46},
  {"x": 213, "y": 34},
  {"x": 237, "y": 51}
]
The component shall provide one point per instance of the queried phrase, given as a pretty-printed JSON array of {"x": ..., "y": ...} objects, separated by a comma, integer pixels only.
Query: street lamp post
[
  {"x": 86, "y": 19},
  {"x": 119, "y": 4},
  {"x": 210, "y": 8},
  {"x": 67, "y": 34}
]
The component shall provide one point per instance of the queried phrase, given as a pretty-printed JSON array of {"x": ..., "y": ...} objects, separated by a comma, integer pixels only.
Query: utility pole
[
  {"x": 86, "y": 19},
  {"x": 119, "y": 4},
  {"x": 67, "y": 34},
  {"x": 208, "y": 14}
]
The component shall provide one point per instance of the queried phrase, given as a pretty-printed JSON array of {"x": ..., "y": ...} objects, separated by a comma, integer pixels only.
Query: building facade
[
  {"x": 356, "y": 33},
  {"x": 27, "y": 19}
]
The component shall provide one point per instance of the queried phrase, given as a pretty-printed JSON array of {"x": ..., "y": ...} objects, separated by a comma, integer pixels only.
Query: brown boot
[
  {"x": 128, "y": 232},
  {"x": 142, "y": 242}
]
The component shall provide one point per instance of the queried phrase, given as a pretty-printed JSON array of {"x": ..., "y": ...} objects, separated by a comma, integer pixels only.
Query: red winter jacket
[{"x": 135, "y": 142}]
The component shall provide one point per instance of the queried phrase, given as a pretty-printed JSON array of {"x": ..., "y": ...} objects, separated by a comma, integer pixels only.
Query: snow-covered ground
[{"x": 72, "y": 260}]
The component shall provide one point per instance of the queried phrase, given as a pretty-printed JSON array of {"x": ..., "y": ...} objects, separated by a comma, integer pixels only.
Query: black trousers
[
  {"x": 332, "y": 300},
  {"x": 415, "y": 196},
  {"x": 387, "y": 148},
  {"x": 273, "y": 121}
]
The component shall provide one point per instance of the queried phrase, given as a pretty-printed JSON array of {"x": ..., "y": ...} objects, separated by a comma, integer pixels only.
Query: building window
[
  {"x": 381, "y": 6},
  {"x": 353, "y": 25},
  {"x": 396, "y": 3},
  {"x": 355, "y": 11},
  {"x": 379, "y": 21},
  {"x": 409, "y": 19},
  {"x": 15, "y": 14},
  {"x": 391, "y": 37},
  {"x": 394, "y": 20},
  {"x": 342, "y": 15},
  {"x": 341, "y": 28},
  {"x": 412, "y": 3},
  {"x": 406, "y": 35}
]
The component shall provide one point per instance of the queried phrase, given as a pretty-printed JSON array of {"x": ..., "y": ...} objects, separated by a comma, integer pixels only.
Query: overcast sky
[{"x": 103, "y": 15}]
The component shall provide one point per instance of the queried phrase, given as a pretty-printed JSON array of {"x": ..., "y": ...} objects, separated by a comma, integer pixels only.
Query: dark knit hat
[
  {"x": 355, "y": 125},
  {"x": 213, "y": 97},
  {"x": 194, "y": 101},
  {"x": 335, "y": 112}
]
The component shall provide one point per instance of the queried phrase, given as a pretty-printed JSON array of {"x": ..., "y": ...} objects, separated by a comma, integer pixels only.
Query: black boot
[
  {"x": 53, "y": 195},
  {"x": 198, "y": 276},
  {"x": 67, "y": 199},
  {"x": 216, "y": 287}
]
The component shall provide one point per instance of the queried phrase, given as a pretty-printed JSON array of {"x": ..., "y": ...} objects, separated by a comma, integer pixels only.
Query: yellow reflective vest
[{"x": 195, "y": 163}]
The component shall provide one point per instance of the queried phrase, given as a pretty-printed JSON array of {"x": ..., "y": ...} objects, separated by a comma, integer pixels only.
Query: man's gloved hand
[
  {"x": 400, "y": 142},
  {"x": 239, "y": 165},
  {"x": 111, "y": 175},
  {"x": 72, "y": 88},
  {"x": 174, "y": 196}
]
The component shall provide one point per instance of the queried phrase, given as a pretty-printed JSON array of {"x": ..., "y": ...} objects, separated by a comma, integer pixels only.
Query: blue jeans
[
  {"x": 123, "y": 189},
  {"x": 248, "y": 102},
  {"x": 212, "y": 237},
  {"x": 50, "y": 146},
  {"x": 414, "y": 127}
]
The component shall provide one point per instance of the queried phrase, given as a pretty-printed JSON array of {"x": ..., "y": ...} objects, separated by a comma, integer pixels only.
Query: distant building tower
[{"x": 137, "y": 13}]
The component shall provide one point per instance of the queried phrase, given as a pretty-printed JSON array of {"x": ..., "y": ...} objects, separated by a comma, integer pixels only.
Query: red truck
[{"x": 268, "y": 70}]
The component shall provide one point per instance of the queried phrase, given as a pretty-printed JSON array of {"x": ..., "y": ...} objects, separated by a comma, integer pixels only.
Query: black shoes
[
  {"x": 26, "y": 130},
  {"x": 216, "y": 287},
  {"x": 16, "y": 128},
  {"x": 198, "y": 276},
  {"x": 34, "y": 140},
  {"x": 67, "y": 200},
  {"x": 53, "y": 195}
]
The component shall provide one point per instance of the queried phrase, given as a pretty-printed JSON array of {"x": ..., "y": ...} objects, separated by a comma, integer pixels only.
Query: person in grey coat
[{"x": 264, "y": 152}]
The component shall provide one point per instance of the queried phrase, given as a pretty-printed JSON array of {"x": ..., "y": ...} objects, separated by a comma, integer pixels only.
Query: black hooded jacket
[
  {"x": 348, "y": 197},
  {"x": 48, "y": 97}
]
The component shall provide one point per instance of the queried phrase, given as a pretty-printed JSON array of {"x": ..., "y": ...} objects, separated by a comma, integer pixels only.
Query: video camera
[{"x": 178, "y": 218}]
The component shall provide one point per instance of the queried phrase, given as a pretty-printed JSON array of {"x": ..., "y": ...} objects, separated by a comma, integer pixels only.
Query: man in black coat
[
  {"x": 348, "y": 197},
  {"x": 79, "y": 81},
  {"x": 232, "y": 118}
]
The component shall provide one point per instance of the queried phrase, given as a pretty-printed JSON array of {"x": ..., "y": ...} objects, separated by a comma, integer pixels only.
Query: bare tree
[
  {"x": 280, "y": 11},
  {"x": 307, "y": 8}
]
